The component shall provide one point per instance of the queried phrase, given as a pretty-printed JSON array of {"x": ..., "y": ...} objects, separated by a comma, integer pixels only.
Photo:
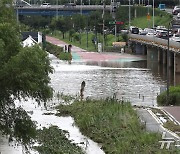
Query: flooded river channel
[
  {"x": 128, "y": 80},
  {"x": 131, "y": 81}
]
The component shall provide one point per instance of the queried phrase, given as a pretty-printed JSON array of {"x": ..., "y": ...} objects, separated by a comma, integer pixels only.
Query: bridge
[
  {"x": 53, "y": 10},
  {"x": 156, "y": 51},
  {"x": 64, "y": 10}
]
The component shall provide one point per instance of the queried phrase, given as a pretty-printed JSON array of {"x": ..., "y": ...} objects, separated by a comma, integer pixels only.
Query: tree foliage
[{"x": 23, "y": 73}]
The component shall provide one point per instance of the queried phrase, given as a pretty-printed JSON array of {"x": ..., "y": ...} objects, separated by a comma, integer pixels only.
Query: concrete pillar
[
  {"x": 171, "y": 59},
  {"x": 164, "y": 57},
  {"x": 177, "y": 63},
  {"x": 140, "y": 49},
  {"x": 160, "y": 56},
  {"x": 152, "y": 59},
  {"x": 152, "y": 54},
  {"x": 176, "y": 69}
]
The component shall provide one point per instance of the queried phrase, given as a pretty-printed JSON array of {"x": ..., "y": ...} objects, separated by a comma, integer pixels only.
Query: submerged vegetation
[
  {"x": 174, "y": 97},
  {"x": 113, "y": 124},
  {"x": 53, "y": 140},
  {"x": 58, "y": 51}
]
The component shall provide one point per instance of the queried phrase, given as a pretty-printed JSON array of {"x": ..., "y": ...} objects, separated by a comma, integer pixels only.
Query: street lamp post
[
  {"x": 103, "y": 24},
  {"x": 168, "y": 65},
  {"x": 87, "y": 33},
  {"x": 81, "y": 7},
  {"x": 153, "y": 13},
  {"x": 56, "y": 9},
  {"x": 129, "y": 13},
  {"x": 17, "y": 12}
]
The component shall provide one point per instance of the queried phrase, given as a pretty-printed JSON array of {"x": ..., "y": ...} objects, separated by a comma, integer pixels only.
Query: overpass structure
[
  {"x": 156, "y": 50},
  {"x": 53, "y": 10}
]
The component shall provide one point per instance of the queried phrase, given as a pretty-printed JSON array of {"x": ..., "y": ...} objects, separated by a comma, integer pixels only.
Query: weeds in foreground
[{"x": 115, "y": 125}]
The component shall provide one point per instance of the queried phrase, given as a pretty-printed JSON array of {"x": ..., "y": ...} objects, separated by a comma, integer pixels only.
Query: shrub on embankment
[
  {"x": 113, "y": 124},
  {"x": 174, "y": 97},
  {"x": 58, "y": 51}
]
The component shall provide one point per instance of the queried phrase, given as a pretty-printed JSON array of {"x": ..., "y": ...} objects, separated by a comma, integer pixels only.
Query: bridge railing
[
  {"x": 154, "y": 41},
  {"x": 63, "y": 7}
]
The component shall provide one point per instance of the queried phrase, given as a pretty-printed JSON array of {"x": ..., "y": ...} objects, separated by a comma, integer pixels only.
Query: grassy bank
[
  {"x": 174, "y": 97},
  {"x": 52, "y": 140},
  {"x": 115, "y": 125},
  {"x": 142, "y": 22},
  {"x": 86, "y": 42}
]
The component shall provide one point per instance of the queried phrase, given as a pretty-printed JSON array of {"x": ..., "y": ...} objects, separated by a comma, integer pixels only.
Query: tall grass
[{"x": 113, "y": 124}]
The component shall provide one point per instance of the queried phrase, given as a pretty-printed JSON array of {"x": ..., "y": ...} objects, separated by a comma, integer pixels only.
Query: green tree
[
  {"x": 23, "y": 74},
  {"x": 61, "y": 24}
]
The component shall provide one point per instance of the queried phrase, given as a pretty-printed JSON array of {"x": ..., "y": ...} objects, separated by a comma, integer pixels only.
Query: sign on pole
[
  {"x": 112, "y": 22},
  {"x": 116, "y": 22},
  {"x": 148, "y": 16},
  {"x": 119, "y": 23}
]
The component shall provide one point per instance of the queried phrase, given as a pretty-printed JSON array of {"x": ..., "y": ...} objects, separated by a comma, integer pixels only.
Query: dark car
[
  {"x": 134, "y": 30},
  {"x": 162, "y": 34},
  {"x": 70, "y": 4}
]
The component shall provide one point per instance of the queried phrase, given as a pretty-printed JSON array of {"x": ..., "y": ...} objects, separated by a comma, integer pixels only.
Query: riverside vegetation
[
  {"x": 174, "y": 97},
  {"x": 58, "y": 51},
  {"x": 53, "y": 140},
  {"x": 114, "y": 125}
]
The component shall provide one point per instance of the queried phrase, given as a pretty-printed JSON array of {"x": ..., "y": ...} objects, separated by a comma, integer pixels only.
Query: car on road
[
  {"x": 162, "y": 34},
  {"x": 125, "y": 31},
  {"x": 46, "y": 5},
  {"x": 176, "y": 10},
  {"x": 178, "y": 16},
  {"x": 69, "y": 4},
  {"x": 142, "y": 32},
  {"x": 175, "y": 37},
  {"x": 162, "y": 7},
  {"x": 150, "y": 32},
  {"x": 134, "y": 30}
]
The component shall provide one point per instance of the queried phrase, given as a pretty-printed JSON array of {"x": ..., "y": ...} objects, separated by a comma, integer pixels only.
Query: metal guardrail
[
  {"x": 157, "y": 42},
  {"x": 63, "y": 7}
]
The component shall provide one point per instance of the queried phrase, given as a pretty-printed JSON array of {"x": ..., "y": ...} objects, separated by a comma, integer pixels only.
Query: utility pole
[
  {"x": 104, "y": 5},
  {"x": 129, "y": 13},
  {"x": 81, "y": 7},
  {"x": 17, "y": 12},
  {"x": 167, "y": 99},
  {"x": 56, "y": 9},
  {"x": 148, "y": 14},
  {"x": 114, "y": 7},
  {"x": 153, "y": 13}
]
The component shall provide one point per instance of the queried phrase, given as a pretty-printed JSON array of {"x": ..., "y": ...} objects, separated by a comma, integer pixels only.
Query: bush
[{"x": 174, "y": 97}]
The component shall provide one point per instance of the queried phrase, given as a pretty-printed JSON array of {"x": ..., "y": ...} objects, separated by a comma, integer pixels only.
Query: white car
[
  {"x": 178, "y": 15},
  {"x": 142, "y": 32},
  {"x": 45, "y": 5},
  {"x": 175, "y": 37},
  {"x": 176, "y": 10},
  {"x": 150, "y": 32}
]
